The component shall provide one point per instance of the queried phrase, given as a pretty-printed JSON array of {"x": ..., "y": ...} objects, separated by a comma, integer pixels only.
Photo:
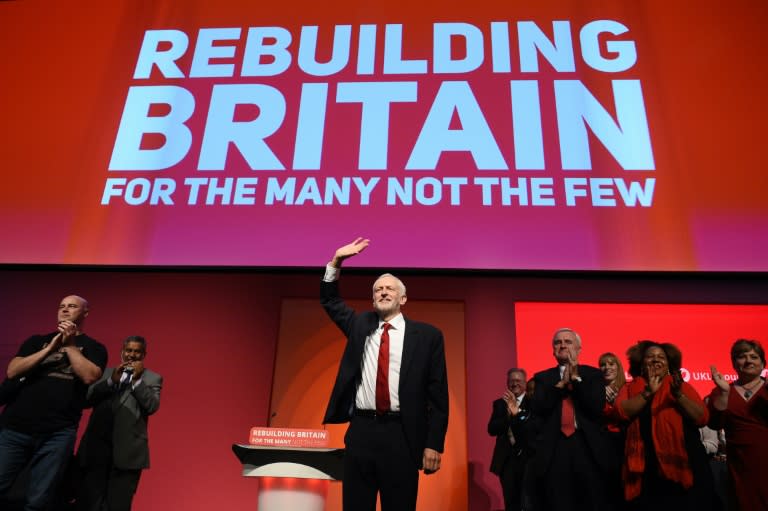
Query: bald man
[{"x": 39, "y": 426}]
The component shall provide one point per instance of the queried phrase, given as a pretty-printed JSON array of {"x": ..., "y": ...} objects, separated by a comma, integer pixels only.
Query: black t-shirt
[{"x": 51, "y": 396}]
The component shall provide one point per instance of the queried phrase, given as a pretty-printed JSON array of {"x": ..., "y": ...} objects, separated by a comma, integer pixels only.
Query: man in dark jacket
[
  {"x": 512, "y": 449},
  {"x": 391, "y": 387},
  {"x": 573, "y": 458}
]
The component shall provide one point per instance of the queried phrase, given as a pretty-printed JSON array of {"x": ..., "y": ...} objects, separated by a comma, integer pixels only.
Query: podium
[{"x": 291, "y": 478}]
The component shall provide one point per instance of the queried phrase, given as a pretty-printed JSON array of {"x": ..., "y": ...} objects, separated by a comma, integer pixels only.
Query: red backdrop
[{"x": 213, "y": 336}]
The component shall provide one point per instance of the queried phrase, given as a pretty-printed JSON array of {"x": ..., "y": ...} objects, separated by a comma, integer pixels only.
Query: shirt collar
[{"x": 398, "y": 322}]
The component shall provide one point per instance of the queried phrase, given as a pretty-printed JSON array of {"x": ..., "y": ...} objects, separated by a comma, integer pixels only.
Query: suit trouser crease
[
  {"x": 574, "y": 481},
  {"x": 378, "y": 461}
]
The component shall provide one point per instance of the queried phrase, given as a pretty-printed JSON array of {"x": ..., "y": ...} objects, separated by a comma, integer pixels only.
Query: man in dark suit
[
  {"x": 512, "y": 450},
  {"x": 114, "y": 449},
  {"x": 391, "y": 387},
  {"x": 572, "y": 456}
]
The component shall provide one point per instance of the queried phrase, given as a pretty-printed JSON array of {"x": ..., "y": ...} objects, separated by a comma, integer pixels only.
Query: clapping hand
[
  {"x": 676, "y": 384},
  {"x": 117, "y": 374},
  {"x": 566, "y": 378},
  {"x": 138, "y": 369},
  {"x": 512, "y": 407},
  {"x": 573, "y": 366},
  {"x": 719, "y": 380},
  {"x": 654, "y": 376},
  {"x": 67, "y": 330}
]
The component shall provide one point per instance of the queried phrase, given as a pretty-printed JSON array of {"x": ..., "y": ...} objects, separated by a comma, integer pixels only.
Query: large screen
[{"x": 481, "y": 135}]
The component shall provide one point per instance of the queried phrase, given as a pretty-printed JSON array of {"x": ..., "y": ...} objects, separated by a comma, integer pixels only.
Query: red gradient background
[
  {"x": 67, "y": 69},
  {"x": 695, "y": 329},
  {"x": 223, "y": 293}
]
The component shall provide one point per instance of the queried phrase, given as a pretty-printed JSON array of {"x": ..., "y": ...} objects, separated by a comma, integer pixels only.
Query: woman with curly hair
[
  {"x": 665, "y": 465},
  {"x": 741, "y": 408}
]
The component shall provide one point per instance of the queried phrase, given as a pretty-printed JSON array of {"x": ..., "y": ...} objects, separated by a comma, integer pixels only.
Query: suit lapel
[
  {"x": 410, "y": 342},
  {"x": 356, "y": 344},
  {"x": 524, "y": 403},
  {"x": 554, "y": 374}
]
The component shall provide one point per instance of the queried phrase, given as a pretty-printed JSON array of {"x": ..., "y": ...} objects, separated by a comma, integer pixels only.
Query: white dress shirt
[{"x": 365, "y": 399}]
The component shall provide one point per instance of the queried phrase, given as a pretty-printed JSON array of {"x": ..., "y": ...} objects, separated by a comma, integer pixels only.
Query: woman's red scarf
[{"x": 667, "y": 434}]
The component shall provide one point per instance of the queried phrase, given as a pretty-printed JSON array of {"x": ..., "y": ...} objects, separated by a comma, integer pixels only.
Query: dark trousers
[
  {"x": 511, "y": 479},
  {"x": 105, "y": 488},
  {"x": 377, "y": 461},
  {"x": 574, "y": 481}
]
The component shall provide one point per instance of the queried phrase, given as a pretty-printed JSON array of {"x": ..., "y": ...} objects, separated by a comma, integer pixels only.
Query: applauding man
[
  {"x": 50, "y": 375},
  {"x": 572, "y": 456},
  {"x": 114, "y": 449},
  {"x": 510, "y": 454}
]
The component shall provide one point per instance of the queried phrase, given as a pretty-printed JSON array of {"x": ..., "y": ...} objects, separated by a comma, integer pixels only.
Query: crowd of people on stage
[
  {"x": 50, "y": 380},
  {"x": 586, "y": 437},
  {"x": 570, "y": 438}
]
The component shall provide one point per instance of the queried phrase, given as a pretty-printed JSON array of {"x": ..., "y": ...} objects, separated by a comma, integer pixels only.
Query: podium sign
[{"x": 288, "y": 437}]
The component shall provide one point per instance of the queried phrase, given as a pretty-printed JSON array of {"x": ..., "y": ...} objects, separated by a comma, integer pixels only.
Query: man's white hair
[
  {"x": 571, "y": 330},
  {"x": 399, "y": 282}
]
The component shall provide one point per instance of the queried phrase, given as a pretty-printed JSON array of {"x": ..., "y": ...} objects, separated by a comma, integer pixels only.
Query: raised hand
[
  {"x": 720, "y": 399},
  {"x": 719, "y": 380},
  {"x": 350, "y": 250}
]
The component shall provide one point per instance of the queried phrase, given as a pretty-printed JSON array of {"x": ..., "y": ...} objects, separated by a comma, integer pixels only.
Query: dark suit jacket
[
  {"x": 499, "y": 425},
  {"x": 423, "y": 386},
  {"x": 118, "y": 423},
  {"x": 588, "y": 401}
]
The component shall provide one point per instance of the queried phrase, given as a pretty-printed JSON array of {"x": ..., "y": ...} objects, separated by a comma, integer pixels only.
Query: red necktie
[
  {"x": 568, "y": 419},
  {"x": 382, "y": 373}
]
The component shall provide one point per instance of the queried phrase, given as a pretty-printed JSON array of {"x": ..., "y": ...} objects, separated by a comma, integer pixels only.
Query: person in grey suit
[
  {"x": 114, "y": 448},
  {"x": 391, "y": 387}
]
